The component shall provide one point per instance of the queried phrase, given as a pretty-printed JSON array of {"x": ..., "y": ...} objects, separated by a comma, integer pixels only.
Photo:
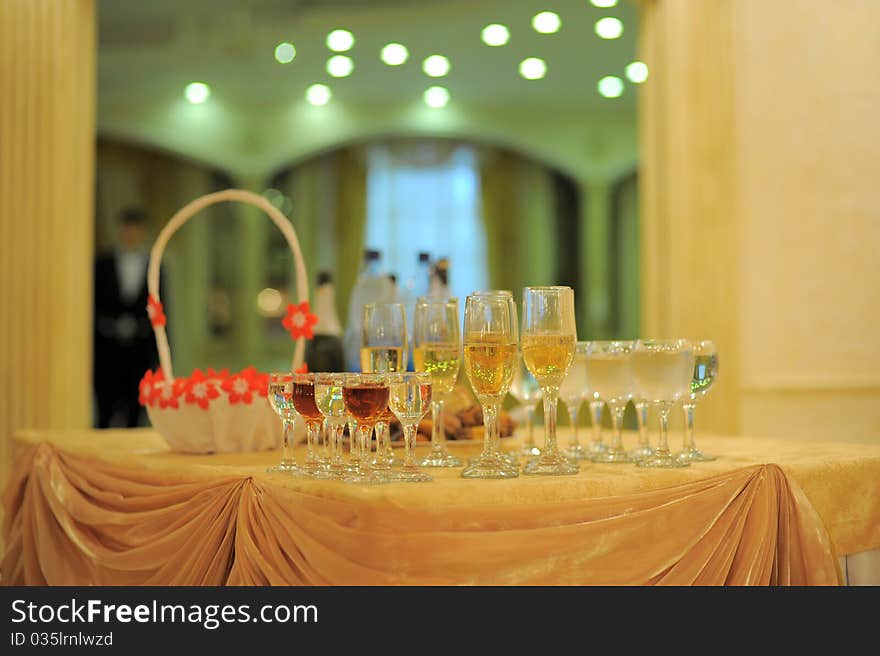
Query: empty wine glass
[
  {"x": 705, "y": 373},
  {"x": 663, "y": 370},
  {"x": 409, "y": 397},
  {"x": 437, "y": 352},
  {"x": 384, "y": 350},
  {"x": 490, "y": 336},
  {"x": 572, "y": 393},
  {"x": 328, "y": 397},
  {"x": 280, "y": 394},
  {"x": 527, "y": 392},
  {"x": 366, "y": 399},
  {"x": 643, "y": 450},
  {"x": 548, "y": 344},
  {"x": 609, "y": 370}
]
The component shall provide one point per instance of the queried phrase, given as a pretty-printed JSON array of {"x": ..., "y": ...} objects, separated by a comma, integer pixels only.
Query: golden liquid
[
  {"x": 442, "y": 361},
  {"x": 548, "y": 357},
  {"x": 382, "y": 359},
  {"x": 490, "y": 366}
]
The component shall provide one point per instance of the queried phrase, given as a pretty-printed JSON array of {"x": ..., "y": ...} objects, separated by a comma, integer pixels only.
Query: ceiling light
[
  {"x": 609, "y": 27},
  {"x": 340, "y": 40},
  {"x": 318, "y": 94},
  {"x": 394, "y": 54},
  {"x": 197, "y": 92},
  {"x": 495, "y": 35},
  {"x": 610, "y": 86},
  {"x": 284, "y": 52},
  {"x": 603, "y": 3},
  {"x": 532, "y": 68},
  {"x": 340, "y": 66},
  {"x": 436, "y": 97},
  {"x": 436, "y": 66},
  {"x": 637, "y": 72},
  {"x": 546, "y": 22}
]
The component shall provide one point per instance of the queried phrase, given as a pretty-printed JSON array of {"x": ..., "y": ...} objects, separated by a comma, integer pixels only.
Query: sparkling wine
[
  {"x": 663, "y": 376},
  {"x": 489, "y": 366},
  {"x": 281, "y": 397},
  {"x": 382, "y": 359},
  {"x": 610, "y": 376},
  {"x": 574, "y": 385},
  {"x": 409, "y": 403},
  {"x": 442, "y": 361},
  {"x": 705, "y": 370},
  {"x": 548, "y": 357},
  {"x": 366, "y": 402}
]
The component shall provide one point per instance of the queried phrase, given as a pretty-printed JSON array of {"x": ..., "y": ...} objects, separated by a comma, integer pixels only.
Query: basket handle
[{"x": 182, "y": 216}]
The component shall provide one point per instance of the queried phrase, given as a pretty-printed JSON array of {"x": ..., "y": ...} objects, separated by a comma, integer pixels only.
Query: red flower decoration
[
  {"x": 299, "y": 320},
  {"x": 155, "y": 311},
  {"x": 200, "y": 390},
  {"x": 239, "y": 388},
  {"x": 145, "y": 387},
  {"x": 167, "y": 394},
  {"x": 304, "y": 369}
]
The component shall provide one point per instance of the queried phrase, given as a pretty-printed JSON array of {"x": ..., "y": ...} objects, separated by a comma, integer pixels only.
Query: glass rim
[
  {"x": 555, "y": 288},
  {"x": 651, "y": 344},
  {"x": 398, "y": 376},
  {"x": 492, "y": 292},
  {"x": 436, "y": 300},
  {"x": 383, "y": 304},
  {"x": 354, "y": 378}
]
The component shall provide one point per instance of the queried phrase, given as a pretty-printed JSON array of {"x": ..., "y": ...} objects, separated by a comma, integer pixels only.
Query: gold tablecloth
[{"x": 117, "y": 507}]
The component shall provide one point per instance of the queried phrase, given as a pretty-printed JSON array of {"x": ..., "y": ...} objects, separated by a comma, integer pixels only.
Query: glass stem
[
  {"x": 689, "y": 426},
  {"x": 365, "y": 433},
  {"x": 573, "y": 441},
  {"x": 550, "y": 399},
  {"x": 642, "y": 416},
  {"x": 596, "y": 413},
  {"x": 531, "y": 434},
  {"x": 382, "y": 434},
  {"x": 336, "y": 460},
  {"x": 409, "y": 443},
  {"x": 490, "y": 422},
  {"x": 286, "y": 435},
  {"x": 617, "y": 424},
  {"x": 663, "y": 443},
  {"x": 438, "y": 430},
  {"x": 353, "y": 452},
  {"x": 314, "y": 442}
]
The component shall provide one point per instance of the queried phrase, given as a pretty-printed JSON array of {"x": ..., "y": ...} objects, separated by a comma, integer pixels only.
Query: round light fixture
[
  {"x": 436, "y": 66},
  {"x": 284, "y": 52},
  {"x": 495, "y": 35},
  {"x": 340, "y": 40},
  {"x": 547, "y": 22},
  {"x": 637, "y": 72},
  {"x": 603, "y": 3},
  {"x": 340, "y": 66},
  {"x": 394, "y": 54},
  {"x": 436, "y": 97},
  {"x": 610, "y": 86},
  {"x": 533, "y": 68},
  {"x": 318, "y": 95},
  {"x": 197, "y": 92},
  {"x": 609, "y": 27}
]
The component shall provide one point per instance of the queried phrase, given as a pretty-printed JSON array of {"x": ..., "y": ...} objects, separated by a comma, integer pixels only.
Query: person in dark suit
[{"x": 124, "y": 344}]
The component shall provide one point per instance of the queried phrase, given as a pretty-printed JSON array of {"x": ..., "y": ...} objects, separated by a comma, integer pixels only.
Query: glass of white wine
[
  {"x": 437, "y": 352},
  {"x": 643, "y": 450},
  {"x": 281, "y": 401},
  {"x": 384, "y": 350},
  {"x": 527, "y": 392},
  {"x": 572, "y": 392},
  {"x": 663, "y": 370},
  {"x": 609, "y": 369},
  {"x": 490, "y": 337},
  {"x": 548, "y": 344},
  {"x": 328, "y": 397},
  {"x": 705, "y": 373},
  {"x": 409, "y": 397}
]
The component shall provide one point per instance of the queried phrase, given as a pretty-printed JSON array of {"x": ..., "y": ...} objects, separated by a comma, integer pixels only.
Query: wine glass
[
  {"x": 643, "y": 450},
  {"x": 572, "y": 391},
  {"x": 366, "y": 398},
  {"x": 384, "y": 350},
  {"x": 705, "y": 373},
  {"x": 548, "y": 344},
  {"x": 527, "y": 392},
  {"x": 609, "y": 369},
  {"x": 437, "y": 352},
  {"x": 281, "y": 401},
  {"x": 409, "y": 397},
  {"x": 304, "y": 402},
  {"x": 328, "y": 397},
  {"x": 490, "y": 336},
  {"x": 663, "y": 370}
]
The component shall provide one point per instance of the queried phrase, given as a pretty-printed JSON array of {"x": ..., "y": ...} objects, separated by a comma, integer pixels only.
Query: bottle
[
  {"x": 440, "y": 278},
  {"x": 372, "y": 286},
  {"x": 324, "y": 352}
]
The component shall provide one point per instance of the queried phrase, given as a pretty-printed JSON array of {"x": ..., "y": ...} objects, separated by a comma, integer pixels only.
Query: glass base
[
  {"x": 597, "y": 447},
  {"x": 611, "y": 455},
  {"x": 493, "y": 466},
  {"x": 551, "y": 465},
  {"x": 412, "y": 476},
  {"x": 662, "y": 460},
  {"x": 441, "y": 459},
  {"x": 694, "y": 455},
  {"x": 529, "y": 451},
  {"x": 364, "y": 478},
  {"x": 640, "y": 453},
  {"x": 577, "y": 452},
  {"x": 286, "y": 468}
]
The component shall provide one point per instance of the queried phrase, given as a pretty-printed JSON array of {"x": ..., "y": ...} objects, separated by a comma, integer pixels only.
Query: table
[{"x": 117, "y": 507}]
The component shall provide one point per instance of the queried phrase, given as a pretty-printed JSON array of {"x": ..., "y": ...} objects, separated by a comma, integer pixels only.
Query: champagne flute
[
  {"x": 527, "y": 392},
  {"x": 663, "y": 370},
  {"x": 490, "y": 336},
  {"x": 366, "y": 398},
  {"x": 572, "y": 392},
  {"x": 328, "y": 397},
  {"x": 281, "y": 401},
  {"x": 437, "y": 352},
  {"x": 643, "y": 450},
  {"x": 304, "y": 402},
  {"x": 609, "y": 369},
  {"x": 705, "y": 373},
  {"x": 548, "y": 344},
  {"x": 409, "y": 396},
  {"x": 384, "y": 350}
]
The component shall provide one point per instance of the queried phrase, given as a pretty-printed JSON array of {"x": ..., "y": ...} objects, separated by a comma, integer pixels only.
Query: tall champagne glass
[
  {"x": 643, "y": 450},
  {"x": 663, "y": 370},
  {"x": 572, "y": 392},
  {"x": 490, "y": 336},
  {"x": 304, "y": 402},
  {"x": 527, "y": 392},
  {"x": 409, "y": 397},
  {"x": 281, "y": 401},
  {"x": 609, "y": 369},
  {"x": 366, "y": 398},
  {"x": 705, "y": 373},
  {"x": 328, "y": 397},
  {"x": 384, "y": 350},
  {"x": 437, "y": 352},
  {"x": 548, "y": 345}
]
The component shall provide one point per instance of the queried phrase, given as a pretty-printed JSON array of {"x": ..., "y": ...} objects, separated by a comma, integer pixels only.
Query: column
[
  {"x": 47, "y": 130},
  {"x": 594, "y": 300}
]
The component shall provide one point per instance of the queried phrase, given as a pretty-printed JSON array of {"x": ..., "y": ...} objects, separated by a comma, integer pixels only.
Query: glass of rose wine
[
  {"x": 705, "y": 373},
  {"x": 366, "y": 398},
  {"x": 409, "y": 397},
  {"x": 304, "y": 402},
  {"x": 280, "y": 395},
  {"x": 609, "y": 369}
]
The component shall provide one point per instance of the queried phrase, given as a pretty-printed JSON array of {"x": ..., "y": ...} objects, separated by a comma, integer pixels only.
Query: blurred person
[{"x": 124, "y": 344}]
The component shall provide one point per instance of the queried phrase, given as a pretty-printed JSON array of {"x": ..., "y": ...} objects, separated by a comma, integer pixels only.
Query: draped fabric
[{"x": 81, "y": 518}]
